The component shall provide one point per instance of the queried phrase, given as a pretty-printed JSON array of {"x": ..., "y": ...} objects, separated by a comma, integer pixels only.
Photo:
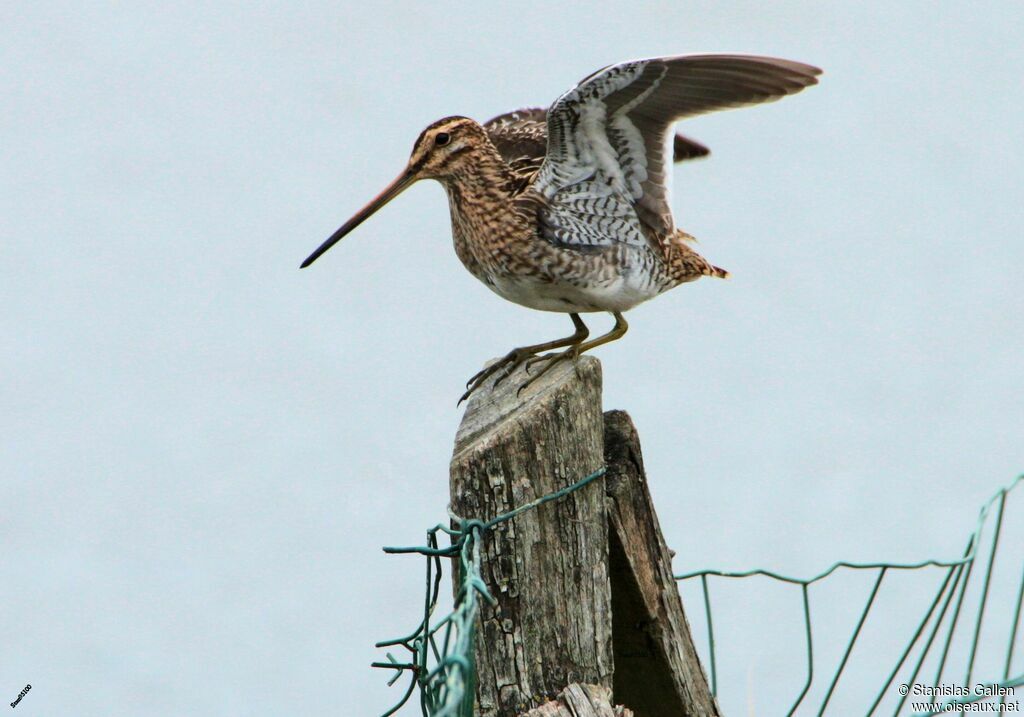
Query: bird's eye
[{"x": 442, "y": 138}]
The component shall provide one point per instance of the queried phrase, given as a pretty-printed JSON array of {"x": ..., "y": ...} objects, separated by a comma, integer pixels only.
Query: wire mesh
[
  {"x": 442, "y": 654},
  {"x": 441, "y": 662},
  {"x": 955, "y": 583}
]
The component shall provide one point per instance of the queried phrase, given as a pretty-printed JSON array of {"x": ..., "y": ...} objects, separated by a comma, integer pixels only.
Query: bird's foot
[
  {"x": 503, "y": 367},
  {"x": 549, "y": 361}
]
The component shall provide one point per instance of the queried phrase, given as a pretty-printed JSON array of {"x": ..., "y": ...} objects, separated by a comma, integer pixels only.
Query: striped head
[{"x": 444, "y": 150}]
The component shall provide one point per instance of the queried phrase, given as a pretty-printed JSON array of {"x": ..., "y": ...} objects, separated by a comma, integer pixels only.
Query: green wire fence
[
  {"x": 441, "y": 653},
  {"x": 957, "y": 577}
]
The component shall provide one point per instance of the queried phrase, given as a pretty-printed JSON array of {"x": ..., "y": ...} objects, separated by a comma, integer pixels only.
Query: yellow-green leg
[
  {"x": 575, "y": 351},
  {"x": 508, "y": 364}
]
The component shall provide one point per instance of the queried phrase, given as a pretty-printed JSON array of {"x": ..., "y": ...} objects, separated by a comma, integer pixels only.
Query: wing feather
[
  {"x": 521, "y": 138},
  {"x": 610, "y": 136}
]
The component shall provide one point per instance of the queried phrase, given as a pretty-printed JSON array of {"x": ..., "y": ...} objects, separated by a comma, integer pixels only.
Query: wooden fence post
[{"x": 587, "y": 611}]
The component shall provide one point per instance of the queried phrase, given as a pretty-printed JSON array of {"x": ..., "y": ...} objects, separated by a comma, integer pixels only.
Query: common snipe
[{"x": 568, "y": 209}]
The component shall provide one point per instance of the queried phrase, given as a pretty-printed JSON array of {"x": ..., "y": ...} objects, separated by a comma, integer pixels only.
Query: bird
[{"x": 568, "y": 209}]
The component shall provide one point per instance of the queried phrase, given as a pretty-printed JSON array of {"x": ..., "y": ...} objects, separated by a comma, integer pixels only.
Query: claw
[
  {"x": 550, "y": 360},
  {"x": 507, "y": 365},
  {"x": 475, "y": 376},
  {"x": 537, "y": 359},
  {"x": 505, "y": 373}
]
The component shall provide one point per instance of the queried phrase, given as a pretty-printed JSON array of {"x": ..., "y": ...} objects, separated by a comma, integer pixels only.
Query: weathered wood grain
[
  {"x": 581, "y": 701},
  {"x": 586, "y": 601},
  {"x": 657, "y": 670},
  {"x": 548, "y": 568}
]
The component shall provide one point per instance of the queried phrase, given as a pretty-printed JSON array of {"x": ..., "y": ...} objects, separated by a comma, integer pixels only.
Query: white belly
[{"x": 618, "y": 294}]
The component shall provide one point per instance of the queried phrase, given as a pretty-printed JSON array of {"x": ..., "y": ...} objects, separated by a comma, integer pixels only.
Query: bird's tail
[
  {"x": 717, "y": 272},
  {"x": 690, "y": 265}
]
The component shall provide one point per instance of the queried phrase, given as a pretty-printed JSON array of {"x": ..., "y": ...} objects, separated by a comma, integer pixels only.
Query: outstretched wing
[
  {"x": 521, "y": 138},
  {"x": 608, "y": 139}
]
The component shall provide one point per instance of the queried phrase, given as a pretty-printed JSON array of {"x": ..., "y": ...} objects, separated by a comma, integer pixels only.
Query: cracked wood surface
[
  {"x": 586, "y": 599},
  {"x": 547, "y": 568},
  {"x": 581, "y": 701},
  {"x": 657, "y": 670}
]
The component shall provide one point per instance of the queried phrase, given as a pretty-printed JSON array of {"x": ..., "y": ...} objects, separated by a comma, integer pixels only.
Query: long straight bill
[{"x": 389, "y": 193}]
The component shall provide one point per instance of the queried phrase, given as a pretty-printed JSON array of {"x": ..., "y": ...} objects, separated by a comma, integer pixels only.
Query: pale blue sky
[{"x": 203, "y": 449}]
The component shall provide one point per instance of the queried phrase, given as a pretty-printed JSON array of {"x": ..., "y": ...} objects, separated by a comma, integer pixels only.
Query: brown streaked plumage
[{"x": 568, "y": 209}]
